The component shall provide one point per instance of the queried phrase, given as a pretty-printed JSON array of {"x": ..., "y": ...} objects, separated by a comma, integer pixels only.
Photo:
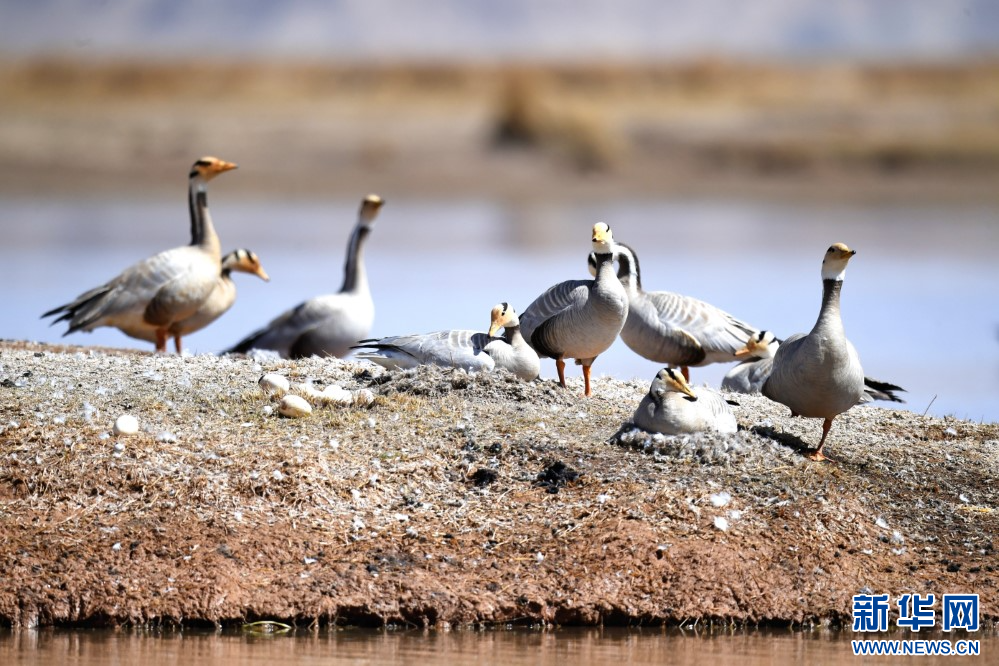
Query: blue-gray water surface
[
  {"x": 919, "y": 302},
  {"x": 582, "y": 647}
]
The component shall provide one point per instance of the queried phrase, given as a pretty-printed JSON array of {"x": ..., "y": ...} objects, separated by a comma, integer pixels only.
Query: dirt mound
[{"x": 426, "y": 507}]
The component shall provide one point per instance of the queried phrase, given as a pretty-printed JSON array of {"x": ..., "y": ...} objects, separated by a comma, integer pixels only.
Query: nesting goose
[
  {"x": 750, "y": 375},
  {"x": 673, "y": 329},
  {"x": 672, "y": 407},
  {"x": 157, "y": 293},
  {"x": 475, "y": 352},
  {"x": 579, "y": 319},
  {"x": 326, "y": 325},
  {"x": 819, "y": 375}
]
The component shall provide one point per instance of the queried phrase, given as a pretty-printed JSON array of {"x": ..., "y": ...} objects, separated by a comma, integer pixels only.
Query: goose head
[
  {"x": 834, "y": 263},
  {"x": 208, "y": 167},
  {"x": 762, "y": 345},
  {"x": 244, "y": 261},
  {"x": 502, "y": 315},
  {"x": 671, "y": 380},
  {"x": 603, "y": 239},
  {"x": 370, "y": 206}
]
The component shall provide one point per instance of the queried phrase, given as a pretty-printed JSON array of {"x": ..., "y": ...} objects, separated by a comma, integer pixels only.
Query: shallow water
[
  {"x": 919, "y": 303},
  {"x": 577, "y": 646}
]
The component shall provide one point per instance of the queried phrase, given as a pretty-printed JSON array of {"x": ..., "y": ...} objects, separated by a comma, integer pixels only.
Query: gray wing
[
  {"x": 128, "y": 294},
  {"x": 748, "y": 376},
  {"x": 456, "y": 349},
  {"x": 717, "y": 412},
  {"x": 783, "y": 378},
  {"x": 285, "y": 330},
  {"x": 540, "y": 317},
  {"x": 697, "y": 327}
]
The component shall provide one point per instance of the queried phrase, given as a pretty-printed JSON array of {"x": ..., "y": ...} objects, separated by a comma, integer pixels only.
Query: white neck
[{"x": 833, "y": 271}]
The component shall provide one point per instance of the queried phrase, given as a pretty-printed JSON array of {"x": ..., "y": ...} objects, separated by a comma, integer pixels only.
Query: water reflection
[
  {"x": 919, "y": 304},
  {"x": 519, "y": 646}
]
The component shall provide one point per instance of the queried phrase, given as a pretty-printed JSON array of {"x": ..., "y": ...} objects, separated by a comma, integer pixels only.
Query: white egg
[
  {"x": 294, "y": 406},
  {"x": 272, "y": 383},
  {"x": 337, "y": 395},
  {"x": 126, "y": 424},
  {"x": 309, "y": 392}
]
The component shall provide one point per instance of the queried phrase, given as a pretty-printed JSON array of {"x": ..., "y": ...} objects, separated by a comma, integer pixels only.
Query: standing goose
[
  {"x": 672, "y": 407},
  {"x": 475, "y": 352},
  {"x": 164, "y": 289},
  {"x": 224, "y": 294},
  {"x": 750, "y": 375},
  {"x": 579, "y": 319},
  {"x": 326, "y": 325},
  {"x": 673, "y": 329},
  {"x": 819, "y": 375},
  {"x": 217, "y": 304}
]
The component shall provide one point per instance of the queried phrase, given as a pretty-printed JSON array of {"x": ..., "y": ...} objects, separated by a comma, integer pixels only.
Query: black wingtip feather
[{"x": 884, "y": 388}]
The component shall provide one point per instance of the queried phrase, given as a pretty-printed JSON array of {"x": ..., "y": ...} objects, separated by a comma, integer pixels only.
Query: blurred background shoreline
[{"x": 823, "y": 131}]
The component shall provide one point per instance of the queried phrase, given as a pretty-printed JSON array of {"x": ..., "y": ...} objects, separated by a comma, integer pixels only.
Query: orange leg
[
  {"x": 817, "y": 453},
  {"x": 161, "y": 340},
  {"x": 586, "y": 380},
  {"x": 685, "y": 371},
  {"x": 560, "y": 366},
  {"x": 176, "y": 342}
]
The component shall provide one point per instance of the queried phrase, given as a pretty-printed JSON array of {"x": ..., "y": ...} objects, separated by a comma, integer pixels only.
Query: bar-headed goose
[
  {"x": 217, "y": 304},
  {"x": 469, "y": 350},
  {"x": 674, "y": 329},
  {"x": 224, "y": 295},
  {"x": 818, "y": 374},
  {"x": 164, "y": 289},
  {"x": 672, "y": 407},
  {"x": 579, "y": 319},
  {"x": 326, "y": 325},
  {"x": 750, "y": 375}
]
